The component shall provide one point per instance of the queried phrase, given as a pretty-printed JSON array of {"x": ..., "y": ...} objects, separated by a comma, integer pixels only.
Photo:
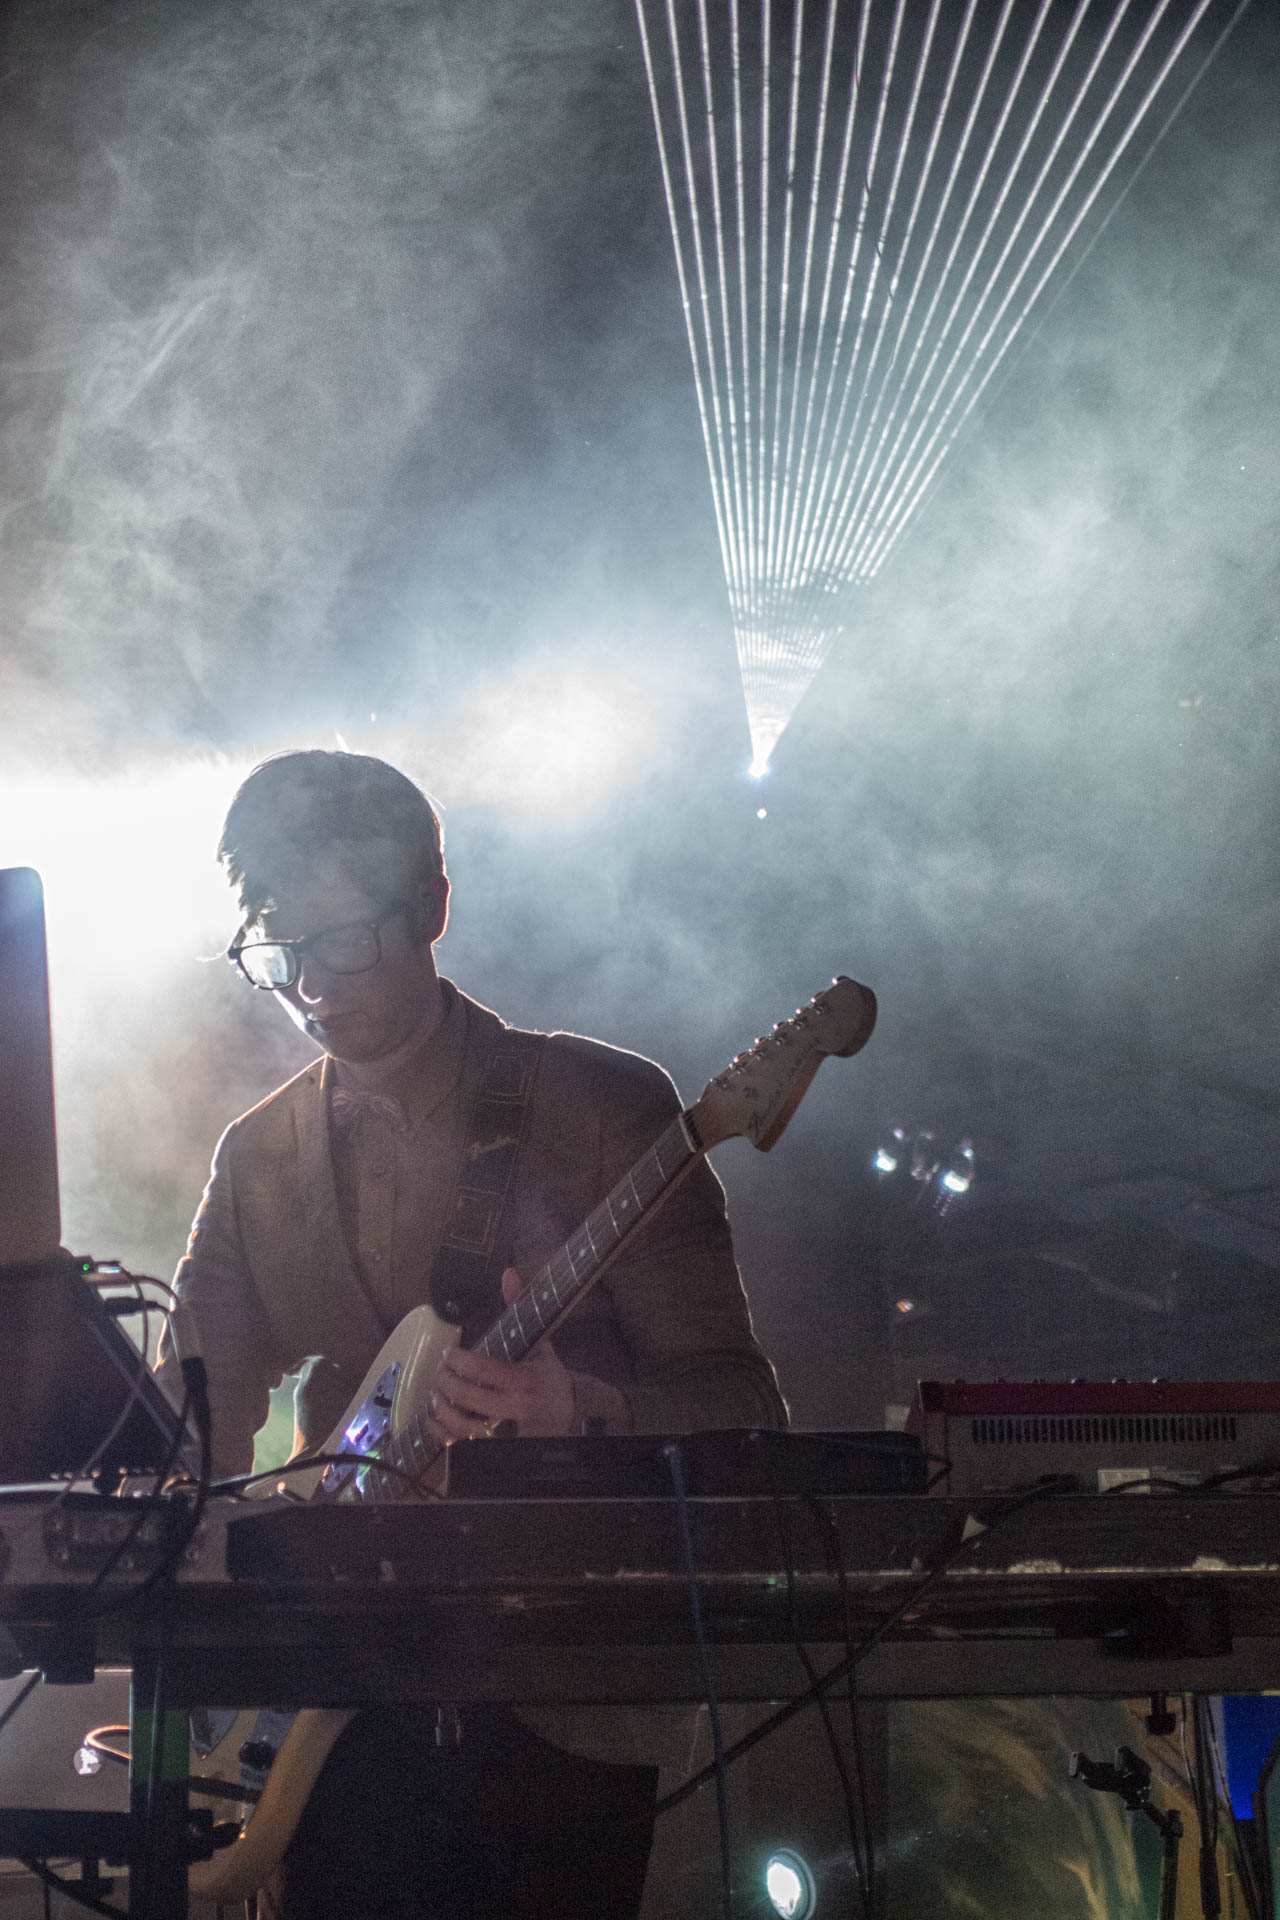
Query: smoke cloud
[{"x": 346, "y": 394}]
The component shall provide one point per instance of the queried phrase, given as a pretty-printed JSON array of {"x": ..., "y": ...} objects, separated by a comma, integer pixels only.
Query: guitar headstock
[{"x": 759, "y": 1091}]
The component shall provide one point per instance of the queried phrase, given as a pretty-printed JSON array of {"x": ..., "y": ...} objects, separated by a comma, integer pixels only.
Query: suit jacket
[{"x": 274, "y": 1289}]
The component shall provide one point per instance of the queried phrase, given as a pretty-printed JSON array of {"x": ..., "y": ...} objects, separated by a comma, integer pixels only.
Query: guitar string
[{"x": 412, "y": 1436}]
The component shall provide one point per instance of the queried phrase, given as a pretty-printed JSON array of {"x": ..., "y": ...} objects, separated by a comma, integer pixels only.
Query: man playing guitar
[{"x": 365, "y": 1188}]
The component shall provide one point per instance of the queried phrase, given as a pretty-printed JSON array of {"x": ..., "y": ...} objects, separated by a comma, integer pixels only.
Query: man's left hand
[{"x": 536, "y": 1392}]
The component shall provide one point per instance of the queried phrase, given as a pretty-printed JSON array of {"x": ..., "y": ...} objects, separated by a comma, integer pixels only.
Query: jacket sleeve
[
  {"x": 674, "y": 1294},
  {"x": 214, "y": 1280}
]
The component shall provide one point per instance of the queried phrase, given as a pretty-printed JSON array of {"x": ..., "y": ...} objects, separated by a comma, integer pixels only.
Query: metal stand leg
[
  {"x": 1130, "y": 1777},
  {"x": 157, "y": 1795}
]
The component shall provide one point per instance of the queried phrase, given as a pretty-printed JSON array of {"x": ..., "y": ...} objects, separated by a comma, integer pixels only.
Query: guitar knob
[{"x": 257, "y": 1755}]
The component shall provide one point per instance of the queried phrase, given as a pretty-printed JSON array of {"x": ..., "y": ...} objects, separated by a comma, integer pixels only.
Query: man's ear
[{"x": 433, "y": 915}]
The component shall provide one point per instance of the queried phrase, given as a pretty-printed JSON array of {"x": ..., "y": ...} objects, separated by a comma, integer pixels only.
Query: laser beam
[{"x": 871, "y": 202}]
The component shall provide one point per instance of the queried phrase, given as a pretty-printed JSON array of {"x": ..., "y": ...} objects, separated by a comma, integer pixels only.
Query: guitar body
[
  {"x": 396, "y": 1385},
  {"x": 236, "y": 1873},
  {"x": 274, "y": 1757}
]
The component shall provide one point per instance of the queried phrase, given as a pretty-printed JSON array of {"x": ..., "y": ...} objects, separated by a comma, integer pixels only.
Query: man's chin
[{"x": 345, "y": 1037}]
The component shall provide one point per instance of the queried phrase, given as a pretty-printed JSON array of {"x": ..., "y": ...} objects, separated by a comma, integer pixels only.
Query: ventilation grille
[{"x": 1102, "y": 1429}]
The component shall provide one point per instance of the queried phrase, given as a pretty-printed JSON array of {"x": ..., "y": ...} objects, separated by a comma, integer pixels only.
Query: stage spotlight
[
  {"x": 762, "y": 813},
  {"x": 888, "y": 1155},
  {"x": 88, "y": 832},
  {"x": 758, "y": 769},
  {"x": 957, "y": 1175},
  {"x": 789, "y": 1885}
]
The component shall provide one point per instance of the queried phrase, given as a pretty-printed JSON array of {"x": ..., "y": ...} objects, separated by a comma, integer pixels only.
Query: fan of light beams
[{"x": 869, "y": 200}]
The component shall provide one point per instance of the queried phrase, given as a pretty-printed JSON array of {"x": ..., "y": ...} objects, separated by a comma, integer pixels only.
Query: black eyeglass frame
[{"x": 294, "y": 949}]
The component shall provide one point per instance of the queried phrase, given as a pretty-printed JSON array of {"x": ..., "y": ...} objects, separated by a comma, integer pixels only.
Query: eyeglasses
[{"x": 354, "y": 947}]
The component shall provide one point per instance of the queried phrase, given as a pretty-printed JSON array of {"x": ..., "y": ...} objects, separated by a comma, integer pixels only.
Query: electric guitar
[{"x": 279, "y": 1755}]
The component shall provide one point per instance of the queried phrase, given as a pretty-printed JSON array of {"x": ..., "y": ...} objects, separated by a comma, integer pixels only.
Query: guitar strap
[{"x": 461, "y": 1281}]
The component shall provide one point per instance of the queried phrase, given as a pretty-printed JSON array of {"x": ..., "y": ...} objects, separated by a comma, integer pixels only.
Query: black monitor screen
[{"x": 73, "y": 1387}]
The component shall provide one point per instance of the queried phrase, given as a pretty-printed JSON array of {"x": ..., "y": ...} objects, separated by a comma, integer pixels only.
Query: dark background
[{"x": 346, "y": 394}]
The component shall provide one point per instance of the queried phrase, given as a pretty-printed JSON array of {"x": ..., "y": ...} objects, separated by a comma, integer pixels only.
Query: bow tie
[{"x": 349, "y": 1109}]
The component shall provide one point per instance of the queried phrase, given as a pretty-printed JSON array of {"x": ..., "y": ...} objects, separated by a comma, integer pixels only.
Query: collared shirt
[{"x": 395, "y": 1177}]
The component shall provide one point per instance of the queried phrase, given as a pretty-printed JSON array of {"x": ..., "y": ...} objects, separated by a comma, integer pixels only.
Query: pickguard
[{"x": 366, "y": 1433}]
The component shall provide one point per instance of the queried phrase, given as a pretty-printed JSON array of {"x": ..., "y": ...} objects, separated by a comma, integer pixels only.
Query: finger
[
  {"x": 472, "y": 1398},
  {"x": 542, "y": 1360},
  {"x": 512, "y": 1285},
  {"x": 449, "y": 1423},
  {"x": 465, "y": 1364},
  {"x": 445, "y": 1437}
]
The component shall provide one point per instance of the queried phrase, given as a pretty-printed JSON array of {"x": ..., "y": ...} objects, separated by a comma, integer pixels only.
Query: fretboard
[{"x": 552, "y": 1292}]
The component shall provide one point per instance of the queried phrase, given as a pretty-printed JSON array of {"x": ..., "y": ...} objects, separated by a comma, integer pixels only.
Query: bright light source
[
  {"x": 957, "y": 1176},
  {"x": 758, "y": 769},
  {"x": 789, "y": 1884},
  {"x": 762, "y": 813},
  {"x": 545, "y": 740},
  {"x": 127, "y": 860},
  {"x": 905, "y": 1306},
  {"x": 885, "y": 1162}
]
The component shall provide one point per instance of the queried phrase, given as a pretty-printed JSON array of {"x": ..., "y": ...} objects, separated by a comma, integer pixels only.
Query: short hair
[{"x": 298, "y": 810}]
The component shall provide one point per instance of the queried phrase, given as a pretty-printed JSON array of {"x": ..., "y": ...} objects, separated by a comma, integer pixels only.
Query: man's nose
[{"x": 313, "y": 979}]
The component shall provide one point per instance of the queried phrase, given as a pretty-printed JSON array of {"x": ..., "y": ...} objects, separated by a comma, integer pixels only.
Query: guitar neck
[
  {"x": 585, "y": 1255},
  {"x": 556, "y": 1288}
]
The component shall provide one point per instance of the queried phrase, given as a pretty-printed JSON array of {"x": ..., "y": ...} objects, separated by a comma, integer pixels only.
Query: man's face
[{"x": 360, "y": 1017}]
